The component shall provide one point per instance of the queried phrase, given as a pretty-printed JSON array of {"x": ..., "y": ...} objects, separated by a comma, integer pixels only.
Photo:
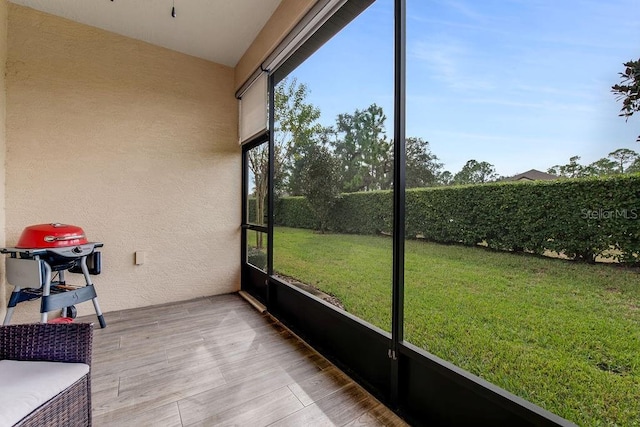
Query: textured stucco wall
[
  {"x": 132, "y": 142},
  {"x": 3, "y": 145},
  {"x": 285, "y": 17}
]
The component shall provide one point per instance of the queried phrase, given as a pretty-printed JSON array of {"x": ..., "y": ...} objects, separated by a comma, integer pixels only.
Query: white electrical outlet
[{"x": 140, "y": 257}]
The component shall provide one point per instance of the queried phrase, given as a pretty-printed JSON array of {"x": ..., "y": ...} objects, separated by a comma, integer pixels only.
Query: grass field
[{"x": 563, "y": 335}]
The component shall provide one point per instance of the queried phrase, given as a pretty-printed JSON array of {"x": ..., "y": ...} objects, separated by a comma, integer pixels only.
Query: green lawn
[{"x": 563, "y": 335}]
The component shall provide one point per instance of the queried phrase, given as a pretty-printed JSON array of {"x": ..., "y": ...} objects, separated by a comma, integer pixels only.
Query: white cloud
[{"x": 448, "y": 62}]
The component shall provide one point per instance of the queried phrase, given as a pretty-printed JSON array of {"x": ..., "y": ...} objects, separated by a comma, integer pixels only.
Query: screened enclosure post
[
  {"x": 271, "y": 184},
  {"x": 397, "y": 313},
  {"x": 243, "y": 221}
]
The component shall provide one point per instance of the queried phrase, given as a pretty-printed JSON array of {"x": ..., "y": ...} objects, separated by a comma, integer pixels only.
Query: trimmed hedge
[{"x": 581, "y": 218}]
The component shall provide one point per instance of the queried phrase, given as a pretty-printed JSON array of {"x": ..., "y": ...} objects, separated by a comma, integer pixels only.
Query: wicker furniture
[{"x": 56, "y": 343}]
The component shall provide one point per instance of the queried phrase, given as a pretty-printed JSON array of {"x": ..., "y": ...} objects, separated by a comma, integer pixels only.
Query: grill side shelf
[{"x": 25, "y": 252}]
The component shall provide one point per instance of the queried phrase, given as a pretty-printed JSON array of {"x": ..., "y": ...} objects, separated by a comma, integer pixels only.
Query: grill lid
[{"x": 53, "y": 235}]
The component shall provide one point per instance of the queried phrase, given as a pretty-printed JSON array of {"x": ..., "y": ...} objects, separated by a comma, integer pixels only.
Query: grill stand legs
[
  {"x": 55, "y": 301},
  {"x": 13, "y": 301},
  {"x": 103, "y": 324},
  {"x": 87, "y": 278}
]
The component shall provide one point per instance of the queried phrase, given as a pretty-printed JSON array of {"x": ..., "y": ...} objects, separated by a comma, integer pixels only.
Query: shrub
[
  {"x": 581, "y": 218},
  {"x": 295, "y": 212}
]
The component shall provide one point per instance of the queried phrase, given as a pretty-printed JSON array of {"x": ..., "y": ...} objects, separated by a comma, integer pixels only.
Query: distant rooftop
[{"x": 532, "y": 175}]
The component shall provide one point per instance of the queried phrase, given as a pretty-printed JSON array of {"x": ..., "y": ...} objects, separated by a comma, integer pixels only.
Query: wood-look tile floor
[{"x": 217, "y": 361}]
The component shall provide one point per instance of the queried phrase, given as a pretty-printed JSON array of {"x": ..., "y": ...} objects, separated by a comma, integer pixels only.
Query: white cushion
[{"x": 24, "y": 386}]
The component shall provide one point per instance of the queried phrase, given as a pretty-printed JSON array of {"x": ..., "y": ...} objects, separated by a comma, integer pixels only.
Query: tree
[
  {"x": 622, "y": 158},
  {"x": 635, "y": 166},
  {"x": 602, "y": 167},
  {"x": 258, "y": 159},
  {"x": 296, "y": 127},
  {"x": 445, "y": 178},
  {"x": 629, "y": 90},
  {"x": 422, "y": 166},
  {"x": 619, "y": 161},
  {"x": 474, "y": 172},
  {"x": 320, "y": 182},
  {"x": 573, "y": 169},
  {"x": 363, "y": 149}
]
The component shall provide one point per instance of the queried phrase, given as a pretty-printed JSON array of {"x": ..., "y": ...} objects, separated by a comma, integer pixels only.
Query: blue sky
[{"x": 521, "y": 84}]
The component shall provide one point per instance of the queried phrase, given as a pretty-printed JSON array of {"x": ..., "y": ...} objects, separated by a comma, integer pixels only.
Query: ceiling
[{"x": 216, "y": 30}]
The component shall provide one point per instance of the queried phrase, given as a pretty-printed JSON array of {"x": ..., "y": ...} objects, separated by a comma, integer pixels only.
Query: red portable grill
[{"x": 37, "y": 264}]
